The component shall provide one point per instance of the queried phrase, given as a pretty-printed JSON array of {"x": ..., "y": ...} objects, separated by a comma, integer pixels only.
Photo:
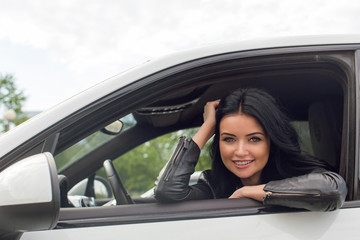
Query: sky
[{"x": 55, "y": 49}]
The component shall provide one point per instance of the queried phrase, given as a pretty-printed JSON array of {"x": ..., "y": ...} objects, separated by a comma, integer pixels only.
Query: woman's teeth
[{"x": 241, "y": 163}]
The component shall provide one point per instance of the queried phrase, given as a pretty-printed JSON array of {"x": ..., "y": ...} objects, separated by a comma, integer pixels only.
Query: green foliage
[
  {"x": 140, "y": 167},
  {"x": 10, "y": 98}
]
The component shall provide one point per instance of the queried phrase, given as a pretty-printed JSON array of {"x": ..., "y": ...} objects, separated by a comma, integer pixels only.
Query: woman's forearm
[
  {"x": 318, "y": 191},
  {"x": 255, "y": 192},
  {"x": 204, "y": 133},
  {"x": 207, "y": 129}
]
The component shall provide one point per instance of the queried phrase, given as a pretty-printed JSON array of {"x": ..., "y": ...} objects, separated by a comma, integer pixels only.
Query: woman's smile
[
  {"x": 244, "y": 147},
  {"x": 242, "y": 163}
]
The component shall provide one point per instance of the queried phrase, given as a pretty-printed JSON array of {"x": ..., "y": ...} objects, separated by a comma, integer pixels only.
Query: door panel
[{"x": 298, "y": 225}]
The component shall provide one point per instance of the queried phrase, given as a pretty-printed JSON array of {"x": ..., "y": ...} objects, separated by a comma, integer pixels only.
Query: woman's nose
[{"x": 241, "y": 149}]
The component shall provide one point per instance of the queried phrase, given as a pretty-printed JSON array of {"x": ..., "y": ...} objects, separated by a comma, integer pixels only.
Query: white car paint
[
  {"x": 12, "y": 189},
  {"x": 287, "y": 226}
]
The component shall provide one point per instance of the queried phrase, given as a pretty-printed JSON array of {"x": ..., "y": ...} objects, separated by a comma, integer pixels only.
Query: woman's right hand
[
  {"x": 207, "y": 129},
  {"x": 210, "y": 112}
]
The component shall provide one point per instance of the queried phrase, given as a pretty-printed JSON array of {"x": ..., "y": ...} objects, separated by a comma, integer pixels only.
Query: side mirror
[{"x": 29, "y": 195}]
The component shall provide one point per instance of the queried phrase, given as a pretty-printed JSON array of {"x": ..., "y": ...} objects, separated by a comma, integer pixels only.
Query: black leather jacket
[{"x": 320, "y": 190}]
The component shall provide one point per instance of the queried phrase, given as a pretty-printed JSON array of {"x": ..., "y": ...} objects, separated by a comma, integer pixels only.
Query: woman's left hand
[{"x": 255, "y": 192}]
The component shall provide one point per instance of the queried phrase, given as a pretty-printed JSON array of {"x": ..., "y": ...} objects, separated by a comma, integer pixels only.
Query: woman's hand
[
  {"x": 210, "y": 112},
  {"x": 255, "y": 192},
  {"x": 207, "y": 129}
]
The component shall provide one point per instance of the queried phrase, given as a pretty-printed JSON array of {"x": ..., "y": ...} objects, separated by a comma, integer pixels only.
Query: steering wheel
[{"x": 120, "y": 193}]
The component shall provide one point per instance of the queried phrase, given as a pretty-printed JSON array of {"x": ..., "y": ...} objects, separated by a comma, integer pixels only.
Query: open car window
[{"x": 139, "y": 167}]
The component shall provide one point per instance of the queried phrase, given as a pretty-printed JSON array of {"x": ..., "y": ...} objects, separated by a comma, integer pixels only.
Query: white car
[{"x": 45, "y": 161}]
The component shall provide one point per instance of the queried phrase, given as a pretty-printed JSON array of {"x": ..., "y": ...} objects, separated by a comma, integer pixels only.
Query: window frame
[{"x": 217, "y": 208}]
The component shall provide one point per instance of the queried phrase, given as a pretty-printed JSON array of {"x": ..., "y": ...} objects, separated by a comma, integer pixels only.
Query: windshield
[{"x": 86, "y": 145}]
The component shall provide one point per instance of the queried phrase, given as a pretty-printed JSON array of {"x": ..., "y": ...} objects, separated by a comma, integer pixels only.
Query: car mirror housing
[
  {"x": 30, "y": 197},
  {"x": 113, "y": 128}
]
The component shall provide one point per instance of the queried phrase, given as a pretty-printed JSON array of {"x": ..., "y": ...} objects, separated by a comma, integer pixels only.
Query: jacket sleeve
[
  {"x": 172, "y": 184},
  {"x": 316, "y": 191}
]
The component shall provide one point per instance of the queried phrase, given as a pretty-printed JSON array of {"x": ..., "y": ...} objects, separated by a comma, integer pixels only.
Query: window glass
[
  {"x": 84, "y": 146},
  {"x": 139, "y": 168}
]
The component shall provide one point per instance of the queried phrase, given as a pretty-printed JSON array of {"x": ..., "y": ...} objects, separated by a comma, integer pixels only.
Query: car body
[{"x": 316, "y": 78}]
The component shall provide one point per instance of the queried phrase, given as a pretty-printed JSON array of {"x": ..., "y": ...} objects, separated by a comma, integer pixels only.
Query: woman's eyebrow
[
  {"x": 255, "y": 133},
  {"x": 230, "y": 134},
  {"x": 250, "y": 134}
]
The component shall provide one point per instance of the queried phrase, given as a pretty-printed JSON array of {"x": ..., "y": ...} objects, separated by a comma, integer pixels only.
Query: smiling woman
[
  {"x": 244, "y": 147},
  {"x": 256, "y": 154}
]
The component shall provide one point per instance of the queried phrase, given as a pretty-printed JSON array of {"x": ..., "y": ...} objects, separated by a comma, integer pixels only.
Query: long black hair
[{"x": 285, "y": 158}]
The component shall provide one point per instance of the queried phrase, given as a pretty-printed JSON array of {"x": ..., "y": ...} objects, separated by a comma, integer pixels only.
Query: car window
[
  {"x": 139, "y": 167},
  {"x": 88, "y": 144}
]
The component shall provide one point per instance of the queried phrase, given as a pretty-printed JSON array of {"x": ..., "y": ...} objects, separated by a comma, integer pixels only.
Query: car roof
[{"x": 44, "y": 120}]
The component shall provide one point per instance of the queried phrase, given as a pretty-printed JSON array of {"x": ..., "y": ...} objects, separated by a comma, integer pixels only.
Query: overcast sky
[{"x": 55, "y": 49}]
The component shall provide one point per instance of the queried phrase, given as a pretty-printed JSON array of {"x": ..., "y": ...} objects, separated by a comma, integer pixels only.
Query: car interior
[{"x": 312, "y": 92}]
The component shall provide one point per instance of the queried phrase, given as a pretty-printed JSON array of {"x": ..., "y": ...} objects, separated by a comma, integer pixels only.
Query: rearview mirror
[
  {"x": 113, "y": 128},
  {"x": 30, "y": 198}
]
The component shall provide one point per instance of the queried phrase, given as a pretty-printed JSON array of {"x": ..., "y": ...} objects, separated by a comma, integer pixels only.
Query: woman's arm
[
  {"x": 255, "y": 192},
  {"x": 318, "y": 191},
  {"x": 207, "y": 129},
  {"x": 173, "y": 181},
  {"x": 172, "y": 184}
]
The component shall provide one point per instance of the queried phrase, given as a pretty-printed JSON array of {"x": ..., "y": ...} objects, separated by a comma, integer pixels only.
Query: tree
[{"x": 10, "y": 98}]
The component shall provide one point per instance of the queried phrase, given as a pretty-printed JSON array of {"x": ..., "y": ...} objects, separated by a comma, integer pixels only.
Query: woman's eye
[
  {"x": 228, "y": 139},
  {"x": 255, "y": 139}
]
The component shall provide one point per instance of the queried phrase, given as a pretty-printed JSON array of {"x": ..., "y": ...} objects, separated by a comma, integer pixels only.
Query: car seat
[{"x": 325, "y": 123}]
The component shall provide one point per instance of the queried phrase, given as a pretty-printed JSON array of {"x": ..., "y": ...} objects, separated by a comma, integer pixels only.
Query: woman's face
[{"x": 244, "y": 147}]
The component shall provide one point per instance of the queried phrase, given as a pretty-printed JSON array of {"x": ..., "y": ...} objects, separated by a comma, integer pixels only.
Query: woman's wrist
[
  {"x": 255, "y": 192},
  {"x": 204, "y": 133}
]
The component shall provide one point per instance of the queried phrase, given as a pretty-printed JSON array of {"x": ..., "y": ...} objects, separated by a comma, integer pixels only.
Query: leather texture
[
  {"x": 319, "y": 190},
  {"x": 172, "y": 183},
  {"x": 316, "y": 191}
]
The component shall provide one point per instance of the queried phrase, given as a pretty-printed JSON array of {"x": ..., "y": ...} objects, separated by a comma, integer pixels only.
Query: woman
[{"x": 255, "y": 154}]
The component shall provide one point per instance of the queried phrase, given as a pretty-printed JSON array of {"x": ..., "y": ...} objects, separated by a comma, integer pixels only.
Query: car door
[{"x": 300, "y": 225}]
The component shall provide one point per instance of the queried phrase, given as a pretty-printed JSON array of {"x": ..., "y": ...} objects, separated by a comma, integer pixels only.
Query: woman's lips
[{"x": 242, "y": 163}]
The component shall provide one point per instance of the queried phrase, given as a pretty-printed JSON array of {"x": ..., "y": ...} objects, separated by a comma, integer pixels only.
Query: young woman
[{"x": 255, "y": 154}]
